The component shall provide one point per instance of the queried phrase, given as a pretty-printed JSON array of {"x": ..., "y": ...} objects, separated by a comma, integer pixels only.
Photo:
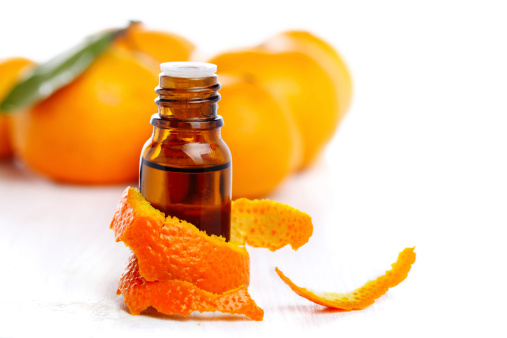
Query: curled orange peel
[
  {"x": 269, "y": 224},
  {"x": 180, "y": 297},
  {"x": 365, "y": 295},
  {"x": 178, "y": 269},
  {"x": 169, "y": 248}
]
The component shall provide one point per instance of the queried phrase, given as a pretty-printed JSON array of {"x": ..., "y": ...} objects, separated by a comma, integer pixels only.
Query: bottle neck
[
  {"x": 210, "y": 136},
  {"x": 188, "y": 100}
]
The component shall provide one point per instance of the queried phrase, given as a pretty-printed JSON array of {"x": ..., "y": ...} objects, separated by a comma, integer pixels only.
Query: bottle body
[{"x": 186, "y": 167}]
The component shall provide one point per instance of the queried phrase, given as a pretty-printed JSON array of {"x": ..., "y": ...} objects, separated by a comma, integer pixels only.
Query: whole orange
[
  {"x": 297, "y": 81},
  {"x": 158, "y": 45},
  {"x": 10, "y": 71},
  {"x": 306, "y": 74},
  {"x": 326, "y": 55},
  {"x": 92, "y": 130}
]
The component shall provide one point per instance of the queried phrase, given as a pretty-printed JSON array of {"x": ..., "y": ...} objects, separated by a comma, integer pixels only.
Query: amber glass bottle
[{"x": 186, "y": 168}]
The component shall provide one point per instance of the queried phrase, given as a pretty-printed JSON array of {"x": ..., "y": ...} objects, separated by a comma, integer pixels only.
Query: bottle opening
[{"x": 188, "y": 69}]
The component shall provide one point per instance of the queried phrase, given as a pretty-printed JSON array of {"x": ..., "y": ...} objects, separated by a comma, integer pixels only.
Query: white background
[{"x": 420, "y": 160}]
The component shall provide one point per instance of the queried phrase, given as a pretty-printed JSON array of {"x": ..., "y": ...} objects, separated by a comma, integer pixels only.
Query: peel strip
[
  {"x": 170, "y": 248},
  {"x": 269, "y": 224},
  {"x": 365, "y": 295},
  {"x": 179, "y": 297}
]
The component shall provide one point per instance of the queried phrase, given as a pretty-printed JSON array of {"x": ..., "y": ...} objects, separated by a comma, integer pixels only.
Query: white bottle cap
[{"x": 188, "y": 69}]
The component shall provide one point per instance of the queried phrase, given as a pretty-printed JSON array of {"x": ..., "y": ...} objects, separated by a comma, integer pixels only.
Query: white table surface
[{"x": 61, "y": 265}]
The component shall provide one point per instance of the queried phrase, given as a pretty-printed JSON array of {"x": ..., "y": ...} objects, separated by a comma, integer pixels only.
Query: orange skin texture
[
  {"x": 298, "y": 81},
  {"x": 11, "y": 70},
  {"x": 132, "y": 206},
  {"x": 268, "y": 224},
  {"x": 180, "y": 297},
  {"x": 363, "y": 296},
  {"x": 260, "y": 134},
  {"x": 169, "y": 249}
]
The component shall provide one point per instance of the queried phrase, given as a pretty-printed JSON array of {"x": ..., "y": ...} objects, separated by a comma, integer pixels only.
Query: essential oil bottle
[{"x": 186, "y": 167}]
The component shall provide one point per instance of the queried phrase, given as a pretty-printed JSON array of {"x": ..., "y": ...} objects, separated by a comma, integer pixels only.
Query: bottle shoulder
[{"x": 181, "y": 152}]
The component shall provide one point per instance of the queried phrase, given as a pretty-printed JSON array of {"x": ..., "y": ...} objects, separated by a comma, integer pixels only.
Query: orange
[
  {"x": 160, "y": 46},
  {"x": 307, "y": 75},
  {"x": 92, "y": 130},
  {"x": 327, "y": 56},
  {"x": 179, "y": 297},
  {"x": 363, "y": 296},
  {"x": 295, "y": 80},
  {"x": 317, "y": 132},
  {"x": 261, "y": 135},
  {"x": 10, "y": 71}
]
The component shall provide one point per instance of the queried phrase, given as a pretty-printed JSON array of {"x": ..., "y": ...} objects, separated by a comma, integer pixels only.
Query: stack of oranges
[{"x": 281, "y": 102}]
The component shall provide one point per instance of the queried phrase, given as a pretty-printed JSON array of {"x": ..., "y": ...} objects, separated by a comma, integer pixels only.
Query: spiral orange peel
[
  {"x": 169, "y": 248},
  {"x": 363, "y": 296},
  {"x": 269, "y": 224},
  {"x": 180, "y": 297},
  {"x": 178, "y": 269}
]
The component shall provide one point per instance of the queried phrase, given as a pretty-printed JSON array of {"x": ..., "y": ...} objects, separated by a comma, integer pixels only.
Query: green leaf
[{"x": 54, "y": 74}]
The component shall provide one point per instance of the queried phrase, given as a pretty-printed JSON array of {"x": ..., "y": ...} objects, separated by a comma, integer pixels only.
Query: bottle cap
[{"x": 188, "y": 69}]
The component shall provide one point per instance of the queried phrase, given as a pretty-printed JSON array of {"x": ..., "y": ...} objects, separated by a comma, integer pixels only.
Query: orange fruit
[
  {"x": 260, "y": 134},
  {"x": 92, "y": 130},
  {"x": 10, "y": 71},
  {"x": 304, "y": 73},
  {"x": 317, "y": 132},
  {"x": 158, "y": 45},
  {"x": 363, "y": 296},
  {"x": 179, "y": 297},
  {"x": 327, "y": 56}
]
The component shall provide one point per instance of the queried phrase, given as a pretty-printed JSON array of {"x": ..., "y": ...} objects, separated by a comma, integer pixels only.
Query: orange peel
[
  {"x": 363, "y": 296},
  {"x": 269, "y": 224},
  {"x": 179, "y": 297},
  {"x": 178, "y": 269},
  {"x": 169, "y": 248}
]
